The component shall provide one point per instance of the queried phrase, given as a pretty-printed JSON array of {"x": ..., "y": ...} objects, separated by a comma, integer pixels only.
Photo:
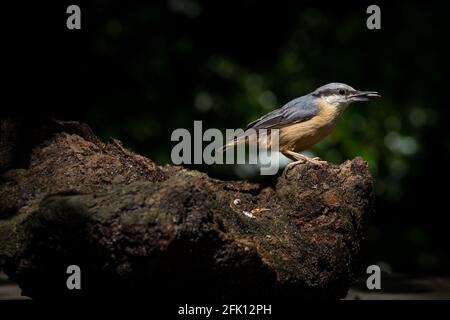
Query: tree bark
[{"x": 137, "y": 229}]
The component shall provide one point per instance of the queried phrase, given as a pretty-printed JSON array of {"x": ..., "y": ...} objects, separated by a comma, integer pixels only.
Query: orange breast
[{"x": 301, "y": 136}]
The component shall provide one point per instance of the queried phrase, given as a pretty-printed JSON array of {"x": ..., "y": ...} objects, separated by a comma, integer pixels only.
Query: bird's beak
[{"x": 364, "y": 95}]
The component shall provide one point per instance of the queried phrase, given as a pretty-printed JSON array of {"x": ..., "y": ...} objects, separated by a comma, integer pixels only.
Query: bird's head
[{"x": 341, "y": 95}]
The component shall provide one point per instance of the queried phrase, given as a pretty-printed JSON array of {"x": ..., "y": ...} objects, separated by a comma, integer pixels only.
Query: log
[{"x": 137, "y": 229}]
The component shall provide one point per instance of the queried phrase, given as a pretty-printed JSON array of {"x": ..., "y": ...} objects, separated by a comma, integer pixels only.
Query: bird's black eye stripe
[{"x": 329, "y": 92}]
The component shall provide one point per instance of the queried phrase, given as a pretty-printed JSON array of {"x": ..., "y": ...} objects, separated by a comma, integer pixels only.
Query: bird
[{"x": 304, "y": 121}]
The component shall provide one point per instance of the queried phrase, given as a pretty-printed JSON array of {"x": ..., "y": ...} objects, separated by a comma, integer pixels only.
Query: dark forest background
[{"x": 138, "y": 71}]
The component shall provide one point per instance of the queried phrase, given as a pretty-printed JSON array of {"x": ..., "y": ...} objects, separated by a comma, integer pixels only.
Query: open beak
[{"x": 364, "y": 95}]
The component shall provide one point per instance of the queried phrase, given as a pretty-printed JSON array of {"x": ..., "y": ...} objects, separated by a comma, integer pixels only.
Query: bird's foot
[
  {"x": 316, "y": 160},
  {"x": 302, "y": 159},
  {"x": 294, "y": 163}
]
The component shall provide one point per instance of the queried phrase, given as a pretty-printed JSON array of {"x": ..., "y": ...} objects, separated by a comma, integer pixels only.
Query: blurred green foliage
[{"x": 160, "y": 66}]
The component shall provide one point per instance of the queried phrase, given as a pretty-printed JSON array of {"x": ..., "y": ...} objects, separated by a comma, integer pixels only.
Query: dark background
[{"x": 138, "y": 71}]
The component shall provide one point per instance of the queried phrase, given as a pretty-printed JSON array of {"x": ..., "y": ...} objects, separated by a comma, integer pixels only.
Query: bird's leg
[{"x": 300, "y": 158}]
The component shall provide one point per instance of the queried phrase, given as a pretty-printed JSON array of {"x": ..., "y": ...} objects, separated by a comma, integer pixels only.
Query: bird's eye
[{"x": 342, "y": 92}]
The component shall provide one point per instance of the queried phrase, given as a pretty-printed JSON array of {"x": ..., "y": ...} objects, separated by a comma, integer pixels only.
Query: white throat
[{"x": 337, "y": 101}]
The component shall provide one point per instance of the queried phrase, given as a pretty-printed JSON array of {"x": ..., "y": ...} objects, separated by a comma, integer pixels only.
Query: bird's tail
[
  {"x": 247, "y": 138},
  {"x": 236, "y": 141}
]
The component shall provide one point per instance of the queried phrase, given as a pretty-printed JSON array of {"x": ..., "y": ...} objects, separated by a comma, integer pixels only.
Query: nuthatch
[{"x": 306, "y": 120}]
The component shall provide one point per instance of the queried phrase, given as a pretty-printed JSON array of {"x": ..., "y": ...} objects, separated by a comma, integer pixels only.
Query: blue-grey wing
[{"x": 295, "y": 111}]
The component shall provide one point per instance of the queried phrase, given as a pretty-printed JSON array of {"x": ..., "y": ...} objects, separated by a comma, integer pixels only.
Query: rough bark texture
[{"x": 136, "y": 228}]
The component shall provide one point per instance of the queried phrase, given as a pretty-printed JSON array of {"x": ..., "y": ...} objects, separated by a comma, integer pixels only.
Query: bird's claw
[
  {"x": 316, "y": 160},
  {"x": 294, "y": 163}
]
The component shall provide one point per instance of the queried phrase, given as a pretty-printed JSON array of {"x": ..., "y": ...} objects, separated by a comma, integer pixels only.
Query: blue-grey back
[{"x": 295, "y": 111}]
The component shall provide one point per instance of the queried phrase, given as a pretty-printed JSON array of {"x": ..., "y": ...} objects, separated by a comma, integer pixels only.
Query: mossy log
[{"x": 137, "y": 229}]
